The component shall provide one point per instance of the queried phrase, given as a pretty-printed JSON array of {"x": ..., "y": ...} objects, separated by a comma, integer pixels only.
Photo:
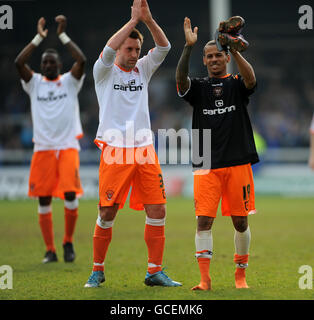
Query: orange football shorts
[
  {"x": 234, "y": 185},
  {"x": 54, "y": 172},
  {"x": 122, "y": 168}
]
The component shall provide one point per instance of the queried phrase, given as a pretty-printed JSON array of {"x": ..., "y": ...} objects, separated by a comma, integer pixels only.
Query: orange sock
[
  {"x": 154, "y": 237},
  {"x": 240, "y": 281},
  {"x": 46, "y": 227},
  {"x": 101, "y": 240},
  {"x": 70, "y": 217},
  {"x": 205, "y": 283}
]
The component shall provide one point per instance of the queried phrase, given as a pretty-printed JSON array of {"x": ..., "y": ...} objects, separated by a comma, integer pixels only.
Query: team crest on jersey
[
  {"x": 217, "y": 91},
  {"x": 219, "y": 103},
  {"x": 136, "y": 70},
  {"x": 109, "y": 194},
  {"x": 58, "y": 84}
]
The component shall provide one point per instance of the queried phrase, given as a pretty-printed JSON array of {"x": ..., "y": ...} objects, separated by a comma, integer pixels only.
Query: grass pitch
[{"x": 282, "y": 241}]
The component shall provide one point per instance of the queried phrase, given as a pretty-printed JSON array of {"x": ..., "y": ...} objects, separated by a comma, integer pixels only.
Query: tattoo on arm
[{"x": 182, "y": 71}]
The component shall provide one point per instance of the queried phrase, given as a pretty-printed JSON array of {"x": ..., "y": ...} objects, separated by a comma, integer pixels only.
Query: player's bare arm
[
  {"x": 157, "y": 33},
  {"x": 24, "y": 70},
  {"x": 119, "y": 37},
  {"x": 77, "y": 69},
  {"x": 182, "y": 70},
  {"x": 245, "y": 69}
]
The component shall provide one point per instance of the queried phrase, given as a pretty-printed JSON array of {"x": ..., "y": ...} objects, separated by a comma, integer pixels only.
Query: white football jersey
[
  {"x": 312, "y": 125},
  {"x": 55, "y": 111},
  {"x": 123, "y": 98}
]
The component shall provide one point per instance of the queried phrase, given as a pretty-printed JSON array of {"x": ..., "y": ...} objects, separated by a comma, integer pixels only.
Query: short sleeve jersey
[
  {"x": 220, "y": 104},
  {"x": 55, "y": 111},
  {"x": 122, "y": 95}
]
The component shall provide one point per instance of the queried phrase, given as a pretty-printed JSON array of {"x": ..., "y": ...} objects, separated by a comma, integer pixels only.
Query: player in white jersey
[
  {"x": 56, "y": 129},
  {"x": 311, "y": 157},
  {"x": 121, "y": 83}
]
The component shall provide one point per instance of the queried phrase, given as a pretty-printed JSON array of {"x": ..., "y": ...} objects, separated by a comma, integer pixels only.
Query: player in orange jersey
[
  {"x": 219, "y": 103},
  {"x": 121, "y": 83},
  {"x": 56, "y": 129}
]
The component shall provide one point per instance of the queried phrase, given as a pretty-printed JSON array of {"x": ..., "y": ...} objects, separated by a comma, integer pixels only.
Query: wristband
[
  {"x": 37, "y": 40},
  {"x": 64, "y": 38}
]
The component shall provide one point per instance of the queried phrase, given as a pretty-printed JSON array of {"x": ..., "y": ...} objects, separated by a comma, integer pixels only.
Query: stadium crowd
[{"x": 281, "y": 110}]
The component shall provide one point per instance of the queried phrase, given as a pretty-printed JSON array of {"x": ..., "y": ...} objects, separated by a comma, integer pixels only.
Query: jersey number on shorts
[
  {"x": 162, "y": 185},
  {"x": 246, "y": 196}
]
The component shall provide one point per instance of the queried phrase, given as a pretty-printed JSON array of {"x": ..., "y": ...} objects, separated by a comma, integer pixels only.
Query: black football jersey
[{"x": 220, "y": 104}]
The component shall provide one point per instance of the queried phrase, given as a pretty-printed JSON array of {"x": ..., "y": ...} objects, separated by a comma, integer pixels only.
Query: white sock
[
  {"x": 204, "y": 242},
  {"x": 156, "y": 222},
  {"x": 104, "y": 224},
  {"x": 44, "y": 209},
  {"x": 71, "y": 205},
  {"x": 242, "y": 241}
]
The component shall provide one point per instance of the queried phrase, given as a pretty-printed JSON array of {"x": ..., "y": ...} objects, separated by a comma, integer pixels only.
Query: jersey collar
[
  {"x": 222, "y": 77},
  {"x": 54, "y": 80},
  {"x": 123, "y": 68}
]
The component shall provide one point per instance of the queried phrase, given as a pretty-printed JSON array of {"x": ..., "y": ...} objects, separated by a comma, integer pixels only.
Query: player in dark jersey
[{"x": 219, "y": 103}]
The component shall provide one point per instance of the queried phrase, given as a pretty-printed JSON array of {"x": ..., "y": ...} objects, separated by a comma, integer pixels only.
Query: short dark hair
[
  {"x": 135, "y": 34},
  {"x": 52, "y": 51},
  {"x": 212, "y": 43}
]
